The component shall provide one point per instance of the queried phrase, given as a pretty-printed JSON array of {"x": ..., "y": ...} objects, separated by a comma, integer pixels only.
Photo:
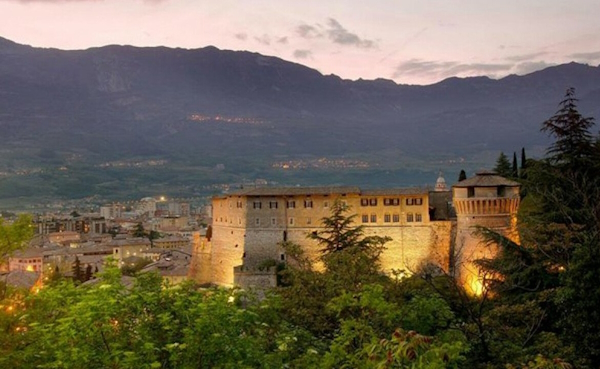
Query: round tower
[{"x": 487, "y": 200}]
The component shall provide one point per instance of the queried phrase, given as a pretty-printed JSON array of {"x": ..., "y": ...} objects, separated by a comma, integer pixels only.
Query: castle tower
[{"x": 486, "y": 200}]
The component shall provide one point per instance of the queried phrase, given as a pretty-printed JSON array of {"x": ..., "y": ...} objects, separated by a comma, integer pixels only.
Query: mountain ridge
[{"x": 202, "y": 107}]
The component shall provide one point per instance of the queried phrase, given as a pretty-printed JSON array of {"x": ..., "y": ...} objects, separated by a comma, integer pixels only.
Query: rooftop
[
  {"x": 486, "y": 179},
  {"x": 333, "y": 190}
]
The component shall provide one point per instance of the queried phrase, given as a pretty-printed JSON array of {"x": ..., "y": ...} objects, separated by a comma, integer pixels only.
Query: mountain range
[{"x": 120, "y": 120}]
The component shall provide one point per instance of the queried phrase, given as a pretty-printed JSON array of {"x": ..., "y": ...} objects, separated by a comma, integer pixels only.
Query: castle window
[
  {"x": 365, "y": 218},
  {"x": 387, "y": 218},
  {"x": 418, "y": 217},
  {"x": 239, "y": 204},
  {"x": 284, "y": 236},
  {"x": 308, "y": 203},
  {"x": 257, "y": 204},
  {"x": 325, "y": 204},
  {"x": 373, "y": 218},
  {"x": 409, "y": 218},
  {"x": 373, "y": 202},
  {"x": 291, "y": 204},
  {"x": 291, "y": 221},
  {"x": 308, "y": 221},
  {"x": 273, "y": 221},
  {"x": 282, "y": 257},
  {"x": 391, "y": 202},
  {"x": 257, "y": 221},
  {"x": 396, "y": 218},
  {"x": 239, "y": 220},
  {"x": 414, "y": 201},
  {"x": 501, "y": 191},
  {"x": 273, "y": 204},
  {"x": 364, "y": 202}
]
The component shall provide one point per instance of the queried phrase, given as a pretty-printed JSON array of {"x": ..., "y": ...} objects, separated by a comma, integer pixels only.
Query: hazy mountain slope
[{"x": 208, "y": 106}]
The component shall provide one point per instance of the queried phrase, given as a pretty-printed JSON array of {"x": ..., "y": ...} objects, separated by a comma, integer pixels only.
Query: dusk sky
[{"x": 416, "y": 42}]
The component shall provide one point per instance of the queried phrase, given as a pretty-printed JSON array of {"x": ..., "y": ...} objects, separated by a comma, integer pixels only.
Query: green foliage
[
  {"x": 503, "y": 167},
  {"x": 14, "y": 236},
  {"x": 340, "y": 233}
]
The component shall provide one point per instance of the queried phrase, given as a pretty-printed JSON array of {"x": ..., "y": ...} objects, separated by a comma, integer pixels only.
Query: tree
[
  {"x": 88, "y": 272},
  {"x": 78, "y": 273},
  {"x": 14, "y": 236},
  {"x": 340, "y": 234},
  {"x": 573, "y": 141},
  {"x": 462, "y": 176},
  {"x": 503, "y": 167},
  {"x": 139, "y": 231},
  {"x": 522, "y": 173},
  {"x": 515, "y": 168}
]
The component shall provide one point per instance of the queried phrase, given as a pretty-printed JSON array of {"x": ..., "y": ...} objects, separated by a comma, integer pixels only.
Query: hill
[{"x": 119, "y": 120}]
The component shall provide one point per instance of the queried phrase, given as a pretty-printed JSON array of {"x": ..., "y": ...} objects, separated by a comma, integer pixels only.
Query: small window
[
  {"x": 325, "y": 204},
  {"x": 257, "y": 221},
  {"x": 471, "y": 192},
  {"x": 239, "y": 204},
  {"x": 291, "y": 221},
  {"x": 308, "y": 203},
  {"x": 308, "y": 221},
  {"x": 273, "y": 221},
  {"x": 365, "y": 218},
  {"x": 391, "y": 202},
  {"x": 419, "y": 201},
  {"x": 273, "y": 204},
  {"x": 282, "y": 257},
  {"x": 396, "y": 218},
  {"x": 364, "y": 202},
  {"x": 387, "y": 218},
  {"x": 409, "y": 218},
  {"x": 409, "y": 201},
  {"x": 418, "y": 217},
  {"x": 257, "y": 204},
  {"x": 291, "y": 204},
  {"x": 373, "y": 218},
  {"x": 373, "y": 202},
  {"x": 284, "y": 236}
]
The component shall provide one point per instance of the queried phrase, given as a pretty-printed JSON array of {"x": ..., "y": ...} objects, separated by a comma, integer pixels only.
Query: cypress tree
[
  {"x": 462, "y": 176},
  {"x": 515, "y": 168},
  {"x": 523, "y": 164}
]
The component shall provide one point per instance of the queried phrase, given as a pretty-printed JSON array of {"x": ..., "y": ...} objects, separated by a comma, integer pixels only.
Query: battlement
[{"x": 486, "y": 206}]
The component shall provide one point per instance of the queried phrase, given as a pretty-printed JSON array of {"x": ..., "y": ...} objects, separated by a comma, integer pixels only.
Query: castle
[{"x": 249, "y": 224}]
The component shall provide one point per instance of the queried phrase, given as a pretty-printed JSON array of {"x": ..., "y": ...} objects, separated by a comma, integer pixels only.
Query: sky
[{"x": 408, "y": 41}]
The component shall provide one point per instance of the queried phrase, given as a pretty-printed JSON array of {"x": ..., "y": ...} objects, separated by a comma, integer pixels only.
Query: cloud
[
  {"x": 241, "y": 36},
  {"x": 308, "y": 32},
  {"x": 445, "y": 69},
  {"x": 302, "y": 54},
  {"x": 339, "y": 35},
  {"x": 264, "y": 39},
  {"x": 76, "y": 1},
  {"x": 529, "y": 67},
  {"x": 335, "y": 33},
  {"x": 524, "y": 57},
  {"x": 586, "y": 57},
  {"x": 282, "y": 40}
]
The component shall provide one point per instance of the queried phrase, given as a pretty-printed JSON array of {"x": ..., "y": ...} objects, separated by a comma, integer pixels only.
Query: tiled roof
[
  {"x": 486, "y": 179},
  {"x": 334, "y": 190}
]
